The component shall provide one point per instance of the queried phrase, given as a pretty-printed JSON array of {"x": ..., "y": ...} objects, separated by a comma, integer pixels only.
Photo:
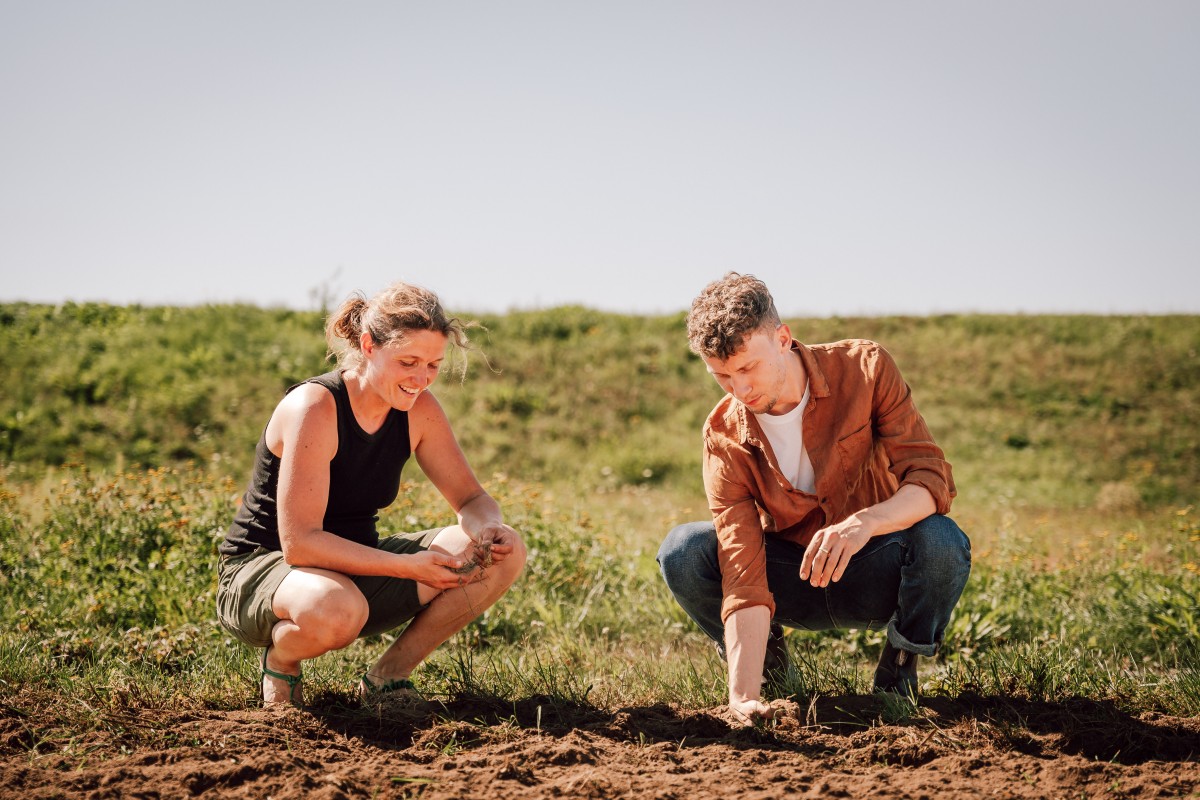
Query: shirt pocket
[{"x": 854, "y": 451}]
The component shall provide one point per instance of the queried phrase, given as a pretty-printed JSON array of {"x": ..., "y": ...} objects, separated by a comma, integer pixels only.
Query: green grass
[
  {"x": 108, "y": 583},
  {"x": 1073, "y": 440},
  {"x": 1046, "y": 411}
]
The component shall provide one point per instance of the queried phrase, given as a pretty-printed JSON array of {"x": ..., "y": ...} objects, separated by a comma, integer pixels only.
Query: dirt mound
[{"x": 541, "y": 748}]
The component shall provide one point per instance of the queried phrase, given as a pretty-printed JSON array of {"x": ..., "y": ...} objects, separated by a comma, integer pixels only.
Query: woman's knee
[
  {"x": 325, "y": 605},
  {"x": 514, "y": 562}
]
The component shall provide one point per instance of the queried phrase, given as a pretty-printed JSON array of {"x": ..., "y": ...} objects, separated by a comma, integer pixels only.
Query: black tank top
[{"x": 364, "y": 476}]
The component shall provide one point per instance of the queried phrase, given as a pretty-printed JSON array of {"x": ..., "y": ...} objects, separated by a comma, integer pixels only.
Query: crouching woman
[{"x": 303, "y": 570}]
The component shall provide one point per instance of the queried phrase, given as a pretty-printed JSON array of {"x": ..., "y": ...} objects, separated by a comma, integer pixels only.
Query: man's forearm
[
  {"x": 828, "y": 554},
  {"x": 746, "y": 632},
  {"x": 908, "y": 506}
]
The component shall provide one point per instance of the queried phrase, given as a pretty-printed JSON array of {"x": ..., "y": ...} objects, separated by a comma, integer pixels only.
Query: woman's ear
[{"x": 365, "y": 343}]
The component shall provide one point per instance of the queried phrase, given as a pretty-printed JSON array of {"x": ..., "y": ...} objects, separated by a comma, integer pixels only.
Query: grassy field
[{"x": 126, "y": 434}]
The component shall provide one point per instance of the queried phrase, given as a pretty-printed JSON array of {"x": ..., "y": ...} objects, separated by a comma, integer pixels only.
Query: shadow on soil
[{"x": 1093, "y": 729}]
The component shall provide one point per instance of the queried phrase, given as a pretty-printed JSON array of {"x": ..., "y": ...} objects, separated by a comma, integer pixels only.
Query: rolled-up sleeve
[
  {"x": 913, "y": 456},
  {"x": 741, "y": 547}
]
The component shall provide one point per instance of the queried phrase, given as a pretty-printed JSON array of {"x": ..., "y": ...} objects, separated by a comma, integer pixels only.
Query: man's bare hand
[
  {"x": 830, "y": 551},
  {"x": 748, "y": 712}
]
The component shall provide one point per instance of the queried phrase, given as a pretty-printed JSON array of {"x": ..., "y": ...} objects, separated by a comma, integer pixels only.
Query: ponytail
[{"x": 346, "y": 324}]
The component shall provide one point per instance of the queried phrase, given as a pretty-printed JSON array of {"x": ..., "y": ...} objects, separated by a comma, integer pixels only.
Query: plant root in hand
[{"x": 481, "y": 559}]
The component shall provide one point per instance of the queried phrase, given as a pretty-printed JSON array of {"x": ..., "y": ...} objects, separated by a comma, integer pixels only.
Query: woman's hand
[
  {"x": 496, "y": 536},
  {"x": 436, "y": 570}
]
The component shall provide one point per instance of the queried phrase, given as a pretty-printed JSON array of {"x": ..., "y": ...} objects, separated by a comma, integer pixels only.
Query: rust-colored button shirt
[{"x": 865, "y": 438}]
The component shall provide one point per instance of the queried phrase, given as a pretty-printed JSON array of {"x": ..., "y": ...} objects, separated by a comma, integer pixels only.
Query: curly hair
[
  {"x": 388, "y": 317},
  {"x": 727, "y": 312}
]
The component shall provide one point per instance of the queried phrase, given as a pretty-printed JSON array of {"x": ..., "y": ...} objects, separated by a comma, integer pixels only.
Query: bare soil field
[{"x": 539, "y": 748}]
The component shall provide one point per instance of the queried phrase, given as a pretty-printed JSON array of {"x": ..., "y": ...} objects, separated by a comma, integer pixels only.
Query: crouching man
[{"x": 828, "y": 499}]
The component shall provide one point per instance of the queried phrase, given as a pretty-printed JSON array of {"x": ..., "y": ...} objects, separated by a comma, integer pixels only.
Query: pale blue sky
[{"x": 861, "y": 157}]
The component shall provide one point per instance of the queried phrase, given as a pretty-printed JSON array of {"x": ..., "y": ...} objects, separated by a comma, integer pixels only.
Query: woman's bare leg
[
  {"x": 318, "y": 611},
  {"x": 449, "y": 610}
]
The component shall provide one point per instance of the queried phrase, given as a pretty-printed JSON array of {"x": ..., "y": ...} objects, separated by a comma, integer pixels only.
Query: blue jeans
[{"x": 909, "y": 580}]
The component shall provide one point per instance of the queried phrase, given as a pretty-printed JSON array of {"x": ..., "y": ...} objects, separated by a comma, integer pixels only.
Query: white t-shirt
[{"x": 785, "y": 432}]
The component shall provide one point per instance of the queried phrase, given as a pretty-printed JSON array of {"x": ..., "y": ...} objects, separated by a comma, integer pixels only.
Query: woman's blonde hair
[{"x": 388, "y": 317}]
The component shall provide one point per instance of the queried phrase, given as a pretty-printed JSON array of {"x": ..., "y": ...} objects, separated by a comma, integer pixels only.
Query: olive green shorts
[{"x": 246, "y": 586}]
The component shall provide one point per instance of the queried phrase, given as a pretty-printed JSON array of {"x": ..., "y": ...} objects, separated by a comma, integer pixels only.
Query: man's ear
[{"x": 784, "y": 333}]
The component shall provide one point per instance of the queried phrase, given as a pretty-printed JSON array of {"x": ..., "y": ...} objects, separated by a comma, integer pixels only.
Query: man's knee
[
  {"x": 686, "y": 547},
  {"x": 938, "y": 539}
]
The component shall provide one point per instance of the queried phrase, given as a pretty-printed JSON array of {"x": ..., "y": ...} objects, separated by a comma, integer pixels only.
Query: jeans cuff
[{"x": 897, "y": 640}]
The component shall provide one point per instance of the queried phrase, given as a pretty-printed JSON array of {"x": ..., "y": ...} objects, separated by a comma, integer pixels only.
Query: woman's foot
[
  {"x": 280, "y": 688},
  {"x": 374, "y": 687}
]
